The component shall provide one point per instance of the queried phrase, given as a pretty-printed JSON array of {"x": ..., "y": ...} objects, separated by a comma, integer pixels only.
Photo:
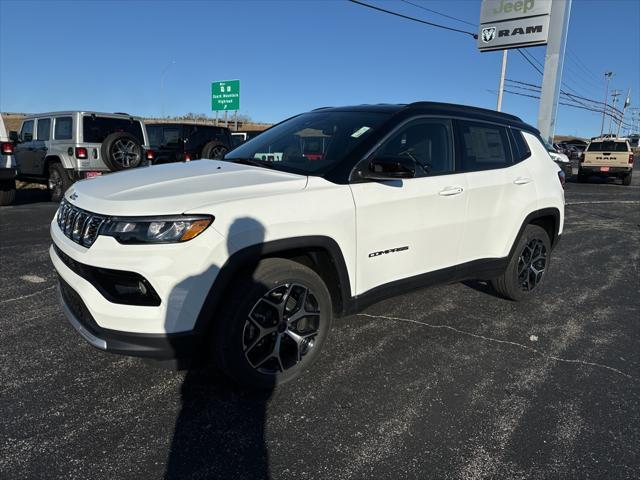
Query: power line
[
  {"x": 439, "y": 13},
  {"x": 437, "y": 25}
]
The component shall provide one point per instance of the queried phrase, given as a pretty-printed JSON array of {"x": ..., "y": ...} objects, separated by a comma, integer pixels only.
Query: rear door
[
  {"x": 412, "y": 226},
  {"x": 500, "y": 189}
]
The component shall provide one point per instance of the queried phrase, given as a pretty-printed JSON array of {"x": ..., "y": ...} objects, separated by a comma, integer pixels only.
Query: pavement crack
[
  {"x": 27, "y": 296},
  {"x": 504, "y": 342}
]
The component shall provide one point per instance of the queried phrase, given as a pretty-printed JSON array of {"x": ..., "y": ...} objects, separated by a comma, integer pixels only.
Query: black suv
[{"x": 176, "y": 142}]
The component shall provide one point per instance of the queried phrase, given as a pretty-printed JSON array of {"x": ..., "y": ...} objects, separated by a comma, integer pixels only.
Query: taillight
[
  {"x": 631, "y": 158},
  {"x": 150, "y": 154},
  {"x": 187, "y": 157},
  {"x": 562, "y": 177},
  {"x": 7, "y": 148},
  {"x": 81, "y": 153}
]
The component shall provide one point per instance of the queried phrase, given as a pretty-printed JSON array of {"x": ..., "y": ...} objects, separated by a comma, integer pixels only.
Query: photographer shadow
[{"x": 220, "y": 430}]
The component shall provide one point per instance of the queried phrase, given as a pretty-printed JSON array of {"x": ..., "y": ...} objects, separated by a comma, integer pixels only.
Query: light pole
[
  {"x": 162, "y": 75},
  {"x": 608, "y": 76}
]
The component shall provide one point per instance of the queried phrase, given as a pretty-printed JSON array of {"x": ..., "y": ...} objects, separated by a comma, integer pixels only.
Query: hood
[{"x": 176, "y": 188}]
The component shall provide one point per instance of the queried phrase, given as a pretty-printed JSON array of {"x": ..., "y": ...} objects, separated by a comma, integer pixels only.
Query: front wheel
[
  {"x": 273, "y": 324},
  {"x": 527, "y": 266}
]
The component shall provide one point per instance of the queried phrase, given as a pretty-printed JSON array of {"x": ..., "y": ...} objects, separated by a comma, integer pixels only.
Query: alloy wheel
[
  {"x": 55, "y": 183},
  {"x": 532, "y": 264},
  {"x": 218, "y": 152},
  {"x": 124, "y": 152},
  {"x": 281, "y": 328}
]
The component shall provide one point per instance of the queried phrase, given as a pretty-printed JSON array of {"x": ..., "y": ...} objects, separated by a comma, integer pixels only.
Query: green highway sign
[{"x": 225, "y": 95}]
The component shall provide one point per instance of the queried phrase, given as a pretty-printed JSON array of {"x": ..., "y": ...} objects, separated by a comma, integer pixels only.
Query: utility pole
[
  {"x": 614, "y": 95},
  {"x": 554, "y": 59},
  {"x": 627, "y": 102},
  {"x": 502, "y": 75},
  {"x": 608, "y": 76}
]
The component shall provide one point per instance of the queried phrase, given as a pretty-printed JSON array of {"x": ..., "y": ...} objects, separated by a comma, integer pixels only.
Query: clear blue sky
[{"x": 290, "y": 56}]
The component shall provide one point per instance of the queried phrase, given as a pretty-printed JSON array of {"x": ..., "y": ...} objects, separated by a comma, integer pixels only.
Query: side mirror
[
  {"x": 14, "y": 137},
  {"x": 391, "y": 168}
]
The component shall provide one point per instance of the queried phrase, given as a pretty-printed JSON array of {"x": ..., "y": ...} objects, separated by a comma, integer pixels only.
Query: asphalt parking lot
[{"x": 447, "y": 382}]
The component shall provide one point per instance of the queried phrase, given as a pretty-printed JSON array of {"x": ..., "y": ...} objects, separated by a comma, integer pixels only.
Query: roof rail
[{"x": 454, "y": 106}]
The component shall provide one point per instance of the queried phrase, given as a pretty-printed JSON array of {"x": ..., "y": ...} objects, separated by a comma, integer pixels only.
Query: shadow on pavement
[{"x": 219, "y": 432}]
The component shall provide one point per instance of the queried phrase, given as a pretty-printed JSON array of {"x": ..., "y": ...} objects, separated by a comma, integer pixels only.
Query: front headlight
[{"x": 156, "y": 229}]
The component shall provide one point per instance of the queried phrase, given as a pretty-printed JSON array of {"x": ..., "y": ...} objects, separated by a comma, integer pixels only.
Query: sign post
[
  {"x": 554, "y": 60},
  {"x": 225, "y": 95}
]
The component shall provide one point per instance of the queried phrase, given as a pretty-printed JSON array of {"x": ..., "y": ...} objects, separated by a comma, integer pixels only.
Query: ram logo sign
[
  {"x": 508, "y": 24},
  {"x": 488, "y": 34}
]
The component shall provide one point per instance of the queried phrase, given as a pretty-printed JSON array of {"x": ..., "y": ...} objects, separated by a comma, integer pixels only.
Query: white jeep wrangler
[{"x": 250, "y": 258}]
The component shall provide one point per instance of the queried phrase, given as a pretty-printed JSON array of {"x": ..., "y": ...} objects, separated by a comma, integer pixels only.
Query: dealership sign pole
[
  {"x": 554, "y": 59},
  {"x": 506, "y": 24}
]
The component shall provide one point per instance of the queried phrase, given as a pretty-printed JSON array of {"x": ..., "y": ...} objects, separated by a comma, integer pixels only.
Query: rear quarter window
[
  {"x": 522, "y": 150},
  {"x": 95, "y": 129},
  {"x": 63, "y": 128},
  {"x": 608, "y": 147}
]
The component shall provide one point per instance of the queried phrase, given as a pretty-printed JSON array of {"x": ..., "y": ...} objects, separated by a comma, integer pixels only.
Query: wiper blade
[{"x": 252, "y": 161}]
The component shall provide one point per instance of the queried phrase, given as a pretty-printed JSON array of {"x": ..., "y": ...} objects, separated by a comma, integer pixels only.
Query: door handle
[
  {"x": 450, "y": 191},
  {"x": 522, "y": 181}
]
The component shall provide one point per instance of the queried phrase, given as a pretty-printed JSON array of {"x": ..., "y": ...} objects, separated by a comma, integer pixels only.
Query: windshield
[
  {"x": 607, "y": 146},
  {"x": 311, "y": 143}
]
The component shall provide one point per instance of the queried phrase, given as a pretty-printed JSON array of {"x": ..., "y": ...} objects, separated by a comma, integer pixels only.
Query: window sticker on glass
[{"x": 360, "y": 131}]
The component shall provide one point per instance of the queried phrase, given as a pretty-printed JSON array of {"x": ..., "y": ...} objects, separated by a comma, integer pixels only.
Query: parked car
[
  {"x": 560, "y": 158},
  {"x": 177, "y": 142},
  {"x": 249, "y": 260},
  {"x": 59, "y": 148},
  {"x": 7, "y": 167},
  {"x": 607, "y": 157}
]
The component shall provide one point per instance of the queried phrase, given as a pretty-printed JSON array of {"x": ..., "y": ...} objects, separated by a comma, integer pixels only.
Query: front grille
[{"x": 79, "y": 225}]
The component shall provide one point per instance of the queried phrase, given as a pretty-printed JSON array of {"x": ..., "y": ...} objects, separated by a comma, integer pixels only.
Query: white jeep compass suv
[{"x": 250, "y": 258}]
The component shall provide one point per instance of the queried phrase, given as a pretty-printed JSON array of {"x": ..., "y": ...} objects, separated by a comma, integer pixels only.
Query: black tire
[
  {"x": 7, "y": 192},
  {"x": 214, "y": 150},
  {"x": 582, "y": 178},
  {"x": 527, "y": 266},
  {"x": 626, "y": 180},
  {"x": 121, "y": 151},
  {"x": 59, "y": 181},
  {"x": 244, "y": 349}
]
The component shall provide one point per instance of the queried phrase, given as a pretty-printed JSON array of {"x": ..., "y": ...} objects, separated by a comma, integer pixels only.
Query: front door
[
  {"x": 24, "y": 151},
  {"x": 412, "y": 226}
]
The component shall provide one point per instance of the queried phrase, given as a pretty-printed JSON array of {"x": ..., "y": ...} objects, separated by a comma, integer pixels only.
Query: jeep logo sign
[{"x": 508, "y": 24}]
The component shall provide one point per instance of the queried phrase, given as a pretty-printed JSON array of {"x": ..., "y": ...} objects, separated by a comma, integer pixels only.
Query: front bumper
[
  {"x": 174, "y": 346},
  {"x": 180, "y": 274}
]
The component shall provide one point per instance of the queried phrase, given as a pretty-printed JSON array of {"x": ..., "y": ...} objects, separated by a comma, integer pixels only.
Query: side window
[
  {"x": 427, "y": 141},
  {"x": 171, "y": 136},
  {"x": 44, "y": 129},
  {"x": 62, "y": 129},
  {"x": 484, "y": 147},
  {"x": 26, "y": 133},
  {"x": 522, "y": 150}
]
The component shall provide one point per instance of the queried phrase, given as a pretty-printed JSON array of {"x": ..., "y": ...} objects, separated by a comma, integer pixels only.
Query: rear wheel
[
  {"x": 527, "y": 266},
  {"x": 626, "y": 180},
  {"x": 59, "y": 181},
  {"x": 7, "y": 192},
  {"x": 214, "y": 150},
  {"x": 273, "y": 324},
  {"x": 582, "y": 178}
]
